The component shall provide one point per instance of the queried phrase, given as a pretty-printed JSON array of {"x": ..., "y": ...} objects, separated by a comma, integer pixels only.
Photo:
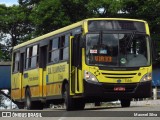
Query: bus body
[{"x": 94, "y": 60}]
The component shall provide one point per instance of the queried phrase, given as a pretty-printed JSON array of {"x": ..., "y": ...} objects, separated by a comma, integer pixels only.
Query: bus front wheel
[
  {"x": 79, "y": 104},
  {"x": 125, "y": 102},
  {"x": 69, "y": 102}
]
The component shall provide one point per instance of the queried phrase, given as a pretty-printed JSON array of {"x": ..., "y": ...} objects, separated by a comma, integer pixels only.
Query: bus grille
[{"x": 119, "y": 75}]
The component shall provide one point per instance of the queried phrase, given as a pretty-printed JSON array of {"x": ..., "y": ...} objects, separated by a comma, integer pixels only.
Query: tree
[
  {"x": 104, "y": 8},
  {"x": 47, "y": 16},
  {"x": 28, "y": 2},
  {"x": 148, "y": 10},
  {"x": 15, "y": 24}
]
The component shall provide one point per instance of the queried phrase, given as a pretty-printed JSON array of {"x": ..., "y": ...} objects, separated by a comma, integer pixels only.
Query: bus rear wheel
[
  {"x": 125, "y": 102},
  {"x": 29, "y": 104}
]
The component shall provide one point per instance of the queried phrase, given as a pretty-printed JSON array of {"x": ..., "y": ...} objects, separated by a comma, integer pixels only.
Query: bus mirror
[
  {"x": 158, "y": 55},
  {"x": 155, "y": 52}
]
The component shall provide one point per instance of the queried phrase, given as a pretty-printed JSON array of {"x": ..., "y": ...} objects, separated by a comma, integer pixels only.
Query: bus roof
[
  {"x": 49, "y": 34},
  {"x": 69, "y": 27}
]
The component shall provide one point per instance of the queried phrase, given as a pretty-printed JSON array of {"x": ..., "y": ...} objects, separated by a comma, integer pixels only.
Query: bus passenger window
[
  {"x": 62, "y": 43},
  {"x": 66, "y": 48},
  {"x": 54, "y": 51},
  {"x": 27, "y": 59},
  {"x": 29, "y": 55},
  {"x": 34, "y": 56},
  {"x": 16, "y": 62}
]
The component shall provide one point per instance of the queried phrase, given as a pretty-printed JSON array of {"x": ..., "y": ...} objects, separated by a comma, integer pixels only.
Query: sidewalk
[{"x": 146, "y": 102}]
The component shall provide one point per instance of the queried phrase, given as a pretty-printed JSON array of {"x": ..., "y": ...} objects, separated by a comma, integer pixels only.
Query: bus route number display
[{"x": 103, "y": 58}]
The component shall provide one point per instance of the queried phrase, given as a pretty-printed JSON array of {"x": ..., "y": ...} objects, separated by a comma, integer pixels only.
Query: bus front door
[
  {"x": 43, "y": 64},
  {"x": 75, "y": 72}
]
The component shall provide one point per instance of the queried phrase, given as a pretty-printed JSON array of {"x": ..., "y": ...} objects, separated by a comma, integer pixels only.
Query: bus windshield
[{"x": 118, "y": 49}]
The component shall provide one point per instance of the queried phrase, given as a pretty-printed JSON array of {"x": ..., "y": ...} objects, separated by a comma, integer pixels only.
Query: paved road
[{"x": 147, "y": 109}]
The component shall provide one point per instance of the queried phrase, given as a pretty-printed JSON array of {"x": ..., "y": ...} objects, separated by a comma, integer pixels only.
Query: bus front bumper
[{"x": 106, "y": 91}]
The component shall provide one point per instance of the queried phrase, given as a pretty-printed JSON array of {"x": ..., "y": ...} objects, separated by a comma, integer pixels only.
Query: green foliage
[
  {"x": 47, "y": 16},
  {"x": 104, "y": 8},
  {"x": 28, "y": 2},
  {"x": 148, "y": 10},
  {"x": 15, "y": 27},
  {"x": 15, "y": 23}
]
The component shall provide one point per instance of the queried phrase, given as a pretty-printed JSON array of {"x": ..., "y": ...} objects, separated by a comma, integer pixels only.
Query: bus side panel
[
  {"x": 56, "y": 73},
  {"x": 16, "y": 86},
  {"x": 40, "y": 81},
  {"x": 44, "y": 83},
  {"x": 32, "y": 78}
]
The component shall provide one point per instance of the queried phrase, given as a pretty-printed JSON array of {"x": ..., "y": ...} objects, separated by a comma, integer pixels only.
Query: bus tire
[
  {"x": 28, "y": 102},
  {"x": 79, "y": 104},
  {"x": 69, "y": 102},
  {"x": 32, "y": 105},
  {"x": 125, "y": 102}
]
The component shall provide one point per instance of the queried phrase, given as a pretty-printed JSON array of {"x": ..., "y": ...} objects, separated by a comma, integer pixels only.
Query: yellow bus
[{"x": 94, "y": 60}]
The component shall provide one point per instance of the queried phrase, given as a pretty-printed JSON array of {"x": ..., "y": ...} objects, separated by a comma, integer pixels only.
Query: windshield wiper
[{"x": 131, "y": 38}]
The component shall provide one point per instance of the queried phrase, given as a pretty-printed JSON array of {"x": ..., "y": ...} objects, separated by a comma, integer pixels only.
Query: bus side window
[
  {"x": 66, "y": 48},
  {"x": 64, "y": 53},
  {"x": 53, "y": 50},
  {"x": 34, "y": 57},
  {"x": 28, "y": 57},
  {"x": 62, "y": 43},
  {"x": 50, "y": 51},
  {"x": 16, "y": 59}
]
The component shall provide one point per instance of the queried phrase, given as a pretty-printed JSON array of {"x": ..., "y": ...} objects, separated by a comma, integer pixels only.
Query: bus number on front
[{"x": 128, "y": 80}]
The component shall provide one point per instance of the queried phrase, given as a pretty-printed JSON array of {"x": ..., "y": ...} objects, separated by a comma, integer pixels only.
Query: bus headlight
[
  {"x": 89, "y": 77},
  {"x": 146, "y": 77}
]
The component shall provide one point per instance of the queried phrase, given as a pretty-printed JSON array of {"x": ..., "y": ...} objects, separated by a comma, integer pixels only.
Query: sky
[{"x": 8, "y": 2}]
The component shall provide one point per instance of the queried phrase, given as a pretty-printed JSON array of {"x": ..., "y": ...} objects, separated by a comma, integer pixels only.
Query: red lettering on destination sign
[{"x": 103, "y": 58}]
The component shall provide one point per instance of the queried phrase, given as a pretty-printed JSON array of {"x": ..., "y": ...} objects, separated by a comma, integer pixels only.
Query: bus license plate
[{"x": 119, "y": 89}]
